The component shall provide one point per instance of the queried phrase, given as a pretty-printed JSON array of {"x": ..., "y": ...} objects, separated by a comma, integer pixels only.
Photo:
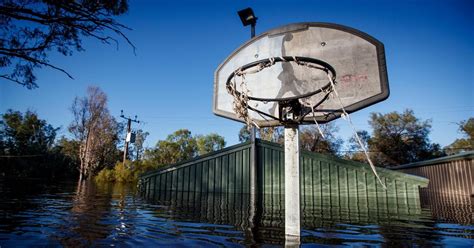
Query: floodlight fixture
[{"x": 247, "y": 17}]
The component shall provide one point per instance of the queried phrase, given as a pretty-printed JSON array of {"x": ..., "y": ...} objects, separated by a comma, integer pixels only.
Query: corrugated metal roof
[{"x": 461, "y": 156}]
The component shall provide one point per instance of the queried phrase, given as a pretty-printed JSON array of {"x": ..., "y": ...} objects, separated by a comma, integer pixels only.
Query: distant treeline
[{"x": 29, "y": 146}]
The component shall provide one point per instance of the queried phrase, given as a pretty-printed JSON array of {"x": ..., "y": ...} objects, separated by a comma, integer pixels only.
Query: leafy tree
[
  {"x": 400, "y": 138},
  {"x": 125, "y": 174},
  {"x": 25, "y": 134},
  {"x": 185, "y": 143},
  {"x": 181, "y": 145},
  {"x": 28, "y": 148},
  {"x": 244, "y": 134},
  {"x": 30, "y": 30},
  {"x": 96, "y": 131},
  {"x": 178, "y": 146},
  {"x": 137, "y": 147},
  {"x": 273, "y": 134},
  {"x": 69, "y": 148},
  {"x": 311, "y": 139},
  {"x": 356, "y": 153},
  {"x": 466, "y": 143},
  {"x": 209, "y": 143}
]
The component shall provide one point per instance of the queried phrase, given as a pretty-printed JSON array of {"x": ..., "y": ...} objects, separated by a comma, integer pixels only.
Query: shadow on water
[{"x": 71, "y": 214}]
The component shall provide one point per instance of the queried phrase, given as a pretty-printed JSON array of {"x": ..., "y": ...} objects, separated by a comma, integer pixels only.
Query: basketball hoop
[
  {"x": 292, "y": 110},
  {"x": 303, "y": 90}
]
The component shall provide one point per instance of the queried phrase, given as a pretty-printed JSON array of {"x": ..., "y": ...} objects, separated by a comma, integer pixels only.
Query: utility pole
[{"x": 129, "y": 130}]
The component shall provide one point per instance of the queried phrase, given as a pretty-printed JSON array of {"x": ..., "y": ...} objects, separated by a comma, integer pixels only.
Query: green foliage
[
  {"x": 209, "y": 143},
  {"x": 311, "y": 139},
  {"x": 356, "y": 153},
  {"x": 124, "y": 174},
  {"x": 26, "y": 133},
  {"x": 27, "y": 148},
  {"x": 466, "y": 143},
  {"x": 244, "y": 134},
  {"x": 397, "y": 138},
  {"x": 273, "y": 134},
  {"x": 177, "y": 147},
  {"x": 181, "y": 145},
  {"x": 137, "y": 149},
  {"x": 106, "y": 175},
  {"x": 69, "y": 148}
]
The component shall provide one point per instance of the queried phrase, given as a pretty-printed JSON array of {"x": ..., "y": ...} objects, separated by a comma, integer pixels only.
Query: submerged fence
[{"x": 324, "y": 179}]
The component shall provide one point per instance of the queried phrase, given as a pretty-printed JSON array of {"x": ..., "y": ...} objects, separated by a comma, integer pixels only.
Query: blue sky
[{"x": 168, "y": 83}]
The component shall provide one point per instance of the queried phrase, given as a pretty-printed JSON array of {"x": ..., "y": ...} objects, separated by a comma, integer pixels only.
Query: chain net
[{"x": 241, "y": 99}]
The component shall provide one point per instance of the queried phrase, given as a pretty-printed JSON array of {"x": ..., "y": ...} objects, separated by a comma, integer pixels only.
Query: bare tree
[
  {"x": 31, "y": 29},
  {"x": 96, "y": 130}
]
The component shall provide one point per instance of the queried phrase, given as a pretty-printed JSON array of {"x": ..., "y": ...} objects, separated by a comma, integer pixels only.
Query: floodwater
[{"x": 39, "y": 213}]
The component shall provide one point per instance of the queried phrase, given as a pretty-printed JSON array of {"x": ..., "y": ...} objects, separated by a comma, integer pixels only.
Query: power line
[{"x": 22, "y": 156}]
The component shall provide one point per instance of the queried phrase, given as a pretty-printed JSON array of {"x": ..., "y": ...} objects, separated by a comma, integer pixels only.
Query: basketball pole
[
  {"x": 248, "y": 18},
  {"x": 292, "y": 185}
]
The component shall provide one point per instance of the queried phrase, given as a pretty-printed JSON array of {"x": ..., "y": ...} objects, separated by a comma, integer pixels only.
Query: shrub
[
  {"x": 105, "y": 175},
  {"x": 122, "y": 174}
]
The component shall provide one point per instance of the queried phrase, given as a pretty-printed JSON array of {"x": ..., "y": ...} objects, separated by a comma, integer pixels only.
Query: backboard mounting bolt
[
  {"x": 256, "y": 55},
  {"x": 323, "y": 43}
]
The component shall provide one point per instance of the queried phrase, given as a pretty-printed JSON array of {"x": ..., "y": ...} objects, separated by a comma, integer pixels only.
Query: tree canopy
[
  {"x": 397, "y": 138},
  {"x": 182, "y": 145},
  {"x": 463, "y": 144},
  {"x": 28, "y": 148},
  {"x": 311, "y": 139},
  {"x": 209, "y": 143},
  {"x": 25, "y": 134},
  {"x": 137, "y": 148},
  {"x": 273, "y": 134},
  {"x": 31, "y": 30}
]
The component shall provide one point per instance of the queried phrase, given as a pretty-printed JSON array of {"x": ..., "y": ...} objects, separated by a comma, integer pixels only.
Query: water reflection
[
  {"x": 450, "y": 208},
  {"x": 40, "y": 213},
  {"x": 82, "y": 226},
  {"x": 345, "y": 221}
]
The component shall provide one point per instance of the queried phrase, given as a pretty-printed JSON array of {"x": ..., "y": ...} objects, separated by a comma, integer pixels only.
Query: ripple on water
[{"x": 67, "y": 214}]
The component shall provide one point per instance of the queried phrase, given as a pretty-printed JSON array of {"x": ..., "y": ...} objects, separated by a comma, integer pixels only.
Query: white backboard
[{"x": 358, "y": 59}]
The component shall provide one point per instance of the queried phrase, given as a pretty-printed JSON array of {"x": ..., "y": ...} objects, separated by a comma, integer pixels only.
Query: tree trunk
[{"x": 84, "y": 150}]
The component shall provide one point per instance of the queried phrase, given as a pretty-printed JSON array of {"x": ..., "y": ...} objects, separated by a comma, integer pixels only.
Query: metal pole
[
  {"x": 252, "y": 31},
  {"x": 253, "y": 165},
  {"x": 125, "y": 152},
  {"x": 292, "y": 185},
  {"x": 253, "y": 150},
  {"x": 254, "y": 177}
]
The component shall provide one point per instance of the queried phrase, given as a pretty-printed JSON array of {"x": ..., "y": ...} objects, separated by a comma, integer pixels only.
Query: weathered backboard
[{"x": 358, "y": 59}]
